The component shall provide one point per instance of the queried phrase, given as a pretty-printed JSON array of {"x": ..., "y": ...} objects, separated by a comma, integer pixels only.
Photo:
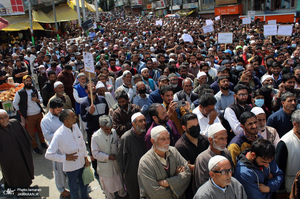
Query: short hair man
[
  {"x": 257, "y": 171},
  {"x": 48, "y": 89},
  {"x": 104, "y": 149},
  {"x": 191, "y": 144},
  {"x": 281, "y": 119},
  {"x": 49, "y": 124},
  {"x": 206, "y": 113},
  {"x": 155, "y": 96},
  {"x": 287, "y": 153},
  {"x": 224, "y": 97},
  {"x": 69, "y": 141},
  {"x": 187, "y": 93},
  {"x": 162, "y": 172},
  {"x": 131, "y": 148},
  {"x": 16, "y": 161},
  {"x": 160, "y": 117},
  {"x": 267, "y": 132},
  {"x": 221, "y": 183},
  {"x": 217, "y": 137},
  {"x": 244, "y": 140}
]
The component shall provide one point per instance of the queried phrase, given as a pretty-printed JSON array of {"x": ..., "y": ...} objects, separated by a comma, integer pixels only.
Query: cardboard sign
[
  {"x": 187, "y": 38},
  {"x": 88, "y": 62},
  {"x": 272, "y": 22},
  {"x": 87, "y": 25},
  {"x": 225, "y": 38},
  {"x": 246, "y": 20},
  {"x": 217, "y": 18},
  {"x": 270, "y": 30},
  {"x": 207, "y": 29},
  {"x": 208, "y": 22},
  {"x": 159, "y": 23},
  {"x": 285, "y": 30}
]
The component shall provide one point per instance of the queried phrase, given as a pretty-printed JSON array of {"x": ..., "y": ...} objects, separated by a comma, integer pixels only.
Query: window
[{"x": 282, "y": 4}]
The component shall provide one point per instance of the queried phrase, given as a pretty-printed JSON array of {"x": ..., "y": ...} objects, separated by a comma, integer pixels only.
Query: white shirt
[
  {"x": 203, "y": 121},
  {"x": 32, "y": 107},
  {"x": 234, "y": 123},
  {"x": 118, "y": 82},
  {"x": 67, "y": 142},
  {"x": 212, "y": 72},
  {"x": 49, "y": 125},
  {"x": 78, "y": 99}
]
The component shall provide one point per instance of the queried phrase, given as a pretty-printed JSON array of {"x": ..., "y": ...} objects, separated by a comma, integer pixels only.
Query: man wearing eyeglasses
[
  {"x": 257, "y": 171},
  {"x": 221, "y": 183}
]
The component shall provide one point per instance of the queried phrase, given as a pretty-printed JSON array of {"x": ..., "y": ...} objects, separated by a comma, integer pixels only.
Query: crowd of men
[{"x": 163, "y": 117}]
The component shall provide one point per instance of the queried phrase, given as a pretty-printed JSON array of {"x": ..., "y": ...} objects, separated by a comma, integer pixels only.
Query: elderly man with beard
[
  {"x": 160, "y": 117},
  {"x": 257, "y": 171},
  {"x": 191, "y": 144},
  {"x": 221, "y": 183},
  {"x": 27, "y": 104},
  {"x": 148, "y": 81},
  {"x": 267, "y": 132},
  {"x": 15, "y": 155},
  {"x": 90, "y": 114},
  {"x": 60, "y": 93},
  {"x": 131, "y": 148},
  {"x": 217, "y": 137},
  {"x": 163, "y": 172},
  {"x": 100, "y": 88}
]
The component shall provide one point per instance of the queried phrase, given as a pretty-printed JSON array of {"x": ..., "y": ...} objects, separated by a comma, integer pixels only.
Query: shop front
[{"x": 229, "y": 12}]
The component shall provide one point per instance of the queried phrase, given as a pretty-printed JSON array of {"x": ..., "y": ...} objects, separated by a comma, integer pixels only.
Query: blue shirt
[
  {"x": 223, "y": 101},
  {"x": 49, "y": 124},
  {"x": 144, "y": 104},
  {"x": 281, "y": 121},
  {"x": 155, "y": 97}
]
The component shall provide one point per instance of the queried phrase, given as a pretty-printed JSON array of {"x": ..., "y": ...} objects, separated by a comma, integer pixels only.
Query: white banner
[
  {"x": 225, "y": 38},
  {"x": 285, "y": 30},
  {"x": 270, "y": 30},
  {"x": 88, "y": 62},
  {"x": 207, "y": 29}
]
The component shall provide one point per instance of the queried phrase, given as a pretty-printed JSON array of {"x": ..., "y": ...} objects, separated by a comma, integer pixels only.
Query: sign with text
[
  {"x": 88, "y": 24},
  {"x": 159, "y": 23},
  {"x": 285, "y": 30},
  {"x": 208, "y": 28},
  {"x": 246, "y": 20},
  {"x": 217, "y": 18},
  {"x": 272, "y": 22},
  {"x": 270, "y": 30},
  {"x": 209, "y": 21},
  {"x": 225, "y": 38},
  {"x": 88, "y": 62},
  {"x": 251, "y": 14}
]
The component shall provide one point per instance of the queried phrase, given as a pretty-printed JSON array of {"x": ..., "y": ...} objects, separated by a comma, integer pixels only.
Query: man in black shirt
[{"x": 19, "y": 71}]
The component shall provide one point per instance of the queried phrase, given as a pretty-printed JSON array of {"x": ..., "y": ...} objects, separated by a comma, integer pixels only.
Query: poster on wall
[{"x": 11, "y": 7}]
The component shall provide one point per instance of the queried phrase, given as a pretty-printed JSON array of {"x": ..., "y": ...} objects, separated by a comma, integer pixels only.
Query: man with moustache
[
  {"x": 217, "y": 137},
  {"x": 160, "y": 117},
  {"x": 257, "y": 171},
  {"x": 163, "y": 172},
  {"x": 90, "y": 114},
  {"x": 155, "y": 96},
  {"x": 191, "y": 144},
  {"x": 27, "y": 104},
  {"x": 100, "y": 88},
  {"x": 244, "y": 140},
  {"x": 221, "y": 184},
  {"x": 224, "y": 97},
  {"x": 59, "y": 89},
  {"x": 131, "y": 148},
  {"x": 48, "y": 89},
  {"x": 148, "y": 81}
]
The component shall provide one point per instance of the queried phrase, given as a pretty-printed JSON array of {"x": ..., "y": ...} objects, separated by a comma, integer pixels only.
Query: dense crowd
[{"x": 163, "y": 116}]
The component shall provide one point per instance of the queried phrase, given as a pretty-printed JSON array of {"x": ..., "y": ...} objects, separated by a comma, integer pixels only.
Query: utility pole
[
  {"x": 171, "y": 6},
  {"x": 30, "y": 19},
  {"x": 56, "y": 26},
  {"x": 83, "y": 10},
  {"x": 78, "y": 13}
]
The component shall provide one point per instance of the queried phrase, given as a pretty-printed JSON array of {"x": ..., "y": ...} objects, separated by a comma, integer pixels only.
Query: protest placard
[
  {"x": 207, "y": 29},
  {"x": 187, "y": 38},
  {"x": 89, "y": 67},
  {"x": 159, "y": 23},
  {"x": 225, "y": 37},
  {"x": 285, "y": 30},
  {"x": 246, "y": 20},
  {"x": 209, "y": 21},
  {"x": 272, "y": 22},
  {"x": 270, "y": 30},
  {"x": 217, "y": 18}
]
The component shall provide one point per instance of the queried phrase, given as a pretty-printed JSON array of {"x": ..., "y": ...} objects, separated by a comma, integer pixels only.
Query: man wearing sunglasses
[
  {"x": 257, "y": 171},
  {"x": 221, "y": 183}
]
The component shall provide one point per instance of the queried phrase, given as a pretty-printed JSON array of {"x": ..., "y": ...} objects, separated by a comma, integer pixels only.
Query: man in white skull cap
[
  {"x": 163, "y": 172},
  {"x": 101, "y": 91},
  {"x": 217, "y": 137},
  {"x": 221, "y": 183}
]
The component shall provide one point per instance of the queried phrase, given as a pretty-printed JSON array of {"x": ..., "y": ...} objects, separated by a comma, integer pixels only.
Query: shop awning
[
  {"x": 90, "y": 7},
  {"x": 63, "y": 13},
  {"x": 3, "y": 23},
  {"x": 23, "y": 26},
  {"x": 17, "y": 23}
]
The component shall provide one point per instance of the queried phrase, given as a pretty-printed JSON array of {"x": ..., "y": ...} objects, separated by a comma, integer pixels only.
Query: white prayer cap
[
  {"x": 100, "y": 85},
  {"x": 154, "y": 59},
  {"x": 144, "y": 69},
  {"x": 81, "y": 75},
  {"x": 134, "y": 116},
  {"x": 2, "y": 111},
  {"x": 126, "y": 72},
  {"x": 57, "y": 84},
  {"x": 263, "y": 78},
  {"x": 157, "y": 130},
  {"x": 257, "y": 110},
  {"x": 215, "y": 128},
  {"x": 252, "y": 42},
  {"x": 215, "y": 160},
  {"x": 41, "y": 66},
  {"x": 200, "y": 74},
  {"x": 171, "y": 60},
  {"x": 184, "y": 30},
  {"x": 152, "y": 49}
]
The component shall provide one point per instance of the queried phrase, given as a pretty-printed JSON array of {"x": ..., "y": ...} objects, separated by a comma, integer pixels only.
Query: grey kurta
[
  {"x": 201, "y": 173},
  {"x": 15, "y": 155},
  {"x": 130, "y": 150},
  {"x": 233, "y": 191},
  {"x": 151, "y": 171}
]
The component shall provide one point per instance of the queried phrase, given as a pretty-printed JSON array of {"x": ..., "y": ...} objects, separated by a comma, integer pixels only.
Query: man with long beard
[{"x": 163, "y": 172}]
